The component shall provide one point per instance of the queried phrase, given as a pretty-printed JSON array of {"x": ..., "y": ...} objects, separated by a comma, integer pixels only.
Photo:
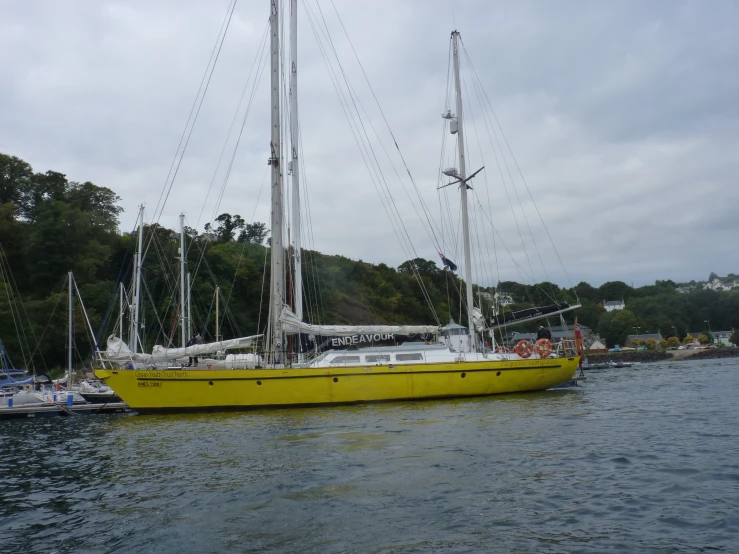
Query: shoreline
[{"x": 661, "y": 356}]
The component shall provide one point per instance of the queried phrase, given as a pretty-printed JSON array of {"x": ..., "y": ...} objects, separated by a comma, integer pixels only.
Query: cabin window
[
  {"x": 408, "y": 357},
  {"x": 345, "y": 360},
  {"x": 377, "y": 358}
]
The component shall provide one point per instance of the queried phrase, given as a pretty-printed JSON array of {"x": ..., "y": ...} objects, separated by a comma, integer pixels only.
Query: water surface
[{"x": 637, "y": 460}]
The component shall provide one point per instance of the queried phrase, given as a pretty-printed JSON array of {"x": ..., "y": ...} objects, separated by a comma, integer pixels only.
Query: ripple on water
[{"x": 636, "y": 460}]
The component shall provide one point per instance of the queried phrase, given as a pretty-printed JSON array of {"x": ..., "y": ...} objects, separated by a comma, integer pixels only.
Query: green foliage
[
  {"x": 616, "y": 325},
  {"x": 50, "y": 225},
  {"x": 734, "y": 338},
  {"x": 651, "y": 344},
  {"x": 663, "y": 344},
  {"x": 688, "y": 339},
  {"x": 673, "y": 342},
  {"x": 703, "y": 338}
]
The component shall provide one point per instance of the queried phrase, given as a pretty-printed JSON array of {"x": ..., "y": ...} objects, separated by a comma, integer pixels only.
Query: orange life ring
[
  {"x": 523, "y": 348},
  {"x": 543, "y": 347}
]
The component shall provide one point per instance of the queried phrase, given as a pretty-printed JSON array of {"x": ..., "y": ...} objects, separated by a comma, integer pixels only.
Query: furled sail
[
  {"x": 118, "y": 352},
  {"x": 529, "y": 314},
  {"x": 292, "y": 325},
  {"x": 161, "y": 353}
]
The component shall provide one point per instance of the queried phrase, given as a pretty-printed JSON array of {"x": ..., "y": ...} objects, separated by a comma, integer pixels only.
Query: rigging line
[
  {"x": 381, "y": 175},
  {"x": 505, "y": 188},
  {"x": 231, "y": 163},
  {"x": 192, "y": 109},
  {"x": 243, "y": 248},
  {"x": 372, "y": 170},
  {"x": 393, "y": 215},
  {"x": 521, "y": 269},
  {"x": 13, "y": 310},
  {"x": 318, "y": 297},
  {"x": 257, "y": 58},
  {"x": 523, "y": 179},
  {"x": 485, "y": 177},
  {"x": 222, "y": 38},
  {"x": 515, "y": 189},
  {"x": 418, "y": 192},
  {"x": 58, "y": 299},
  {"x": 156, "y": 314}
]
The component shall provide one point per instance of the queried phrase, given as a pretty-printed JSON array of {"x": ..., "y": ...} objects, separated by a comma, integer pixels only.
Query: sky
[{"x": 622, "y": 117}]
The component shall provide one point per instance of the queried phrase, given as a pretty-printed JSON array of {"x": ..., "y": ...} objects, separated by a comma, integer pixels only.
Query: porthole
[
  {"x": 464, "y": 375},
  {"x": 498, "y": 374},
  {"x": 210, "y": 383},
  {"x": 336, "y": 379},
  {"x": 259, "y": 383}
]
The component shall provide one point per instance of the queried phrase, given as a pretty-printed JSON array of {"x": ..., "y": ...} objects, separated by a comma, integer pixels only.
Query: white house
[
  {"x": 614, "y": 305},
  {"x": 503, "y": 298},
  {"x": 718, "y": 285}
]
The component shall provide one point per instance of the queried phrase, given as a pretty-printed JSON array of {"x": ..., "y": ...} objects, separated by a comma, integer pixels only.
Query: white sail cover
[
  {"x": 117, "y": 351},
  {"x": 292, "y": 325},
  {"x": 161, "y": 353}
]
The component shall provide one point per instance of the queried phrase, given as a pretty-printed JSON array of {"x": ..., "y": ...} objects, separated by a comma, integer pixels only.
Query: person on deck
[
  {"x": 543, "y": 333},
  {"x": 197, "y": 339}
]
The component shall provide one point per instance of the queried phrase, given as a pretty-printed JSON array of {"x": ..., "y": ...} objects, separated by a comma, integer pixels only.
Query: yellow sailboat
[{"x": 456, "y": 365}]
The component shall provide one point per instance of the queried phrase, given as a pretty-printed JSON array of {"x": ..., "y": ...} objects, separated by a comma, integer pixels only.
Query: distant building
[
  {"x": 719, "y": 337},
  {"x": 719, "y": 286},
  {"x": 683, "y": 290},
  {"x": 614, "y": 305},
  {"x": 503, "y": 298},
  {"x": 644, "y": 337},
  {"x": 487, "y": 296}
]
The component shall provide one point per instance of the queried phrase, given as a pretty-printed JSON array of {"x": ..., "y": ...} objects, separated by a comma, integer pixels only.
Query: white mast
[
  {"x": 69, "y": 353},
  {"x": 120, "y": 316},
  {"x": 134, "y": 331},
  {"x": 218, "y": 293},
  {"x": 183, "y": 319},
  {"x": 277, "y": 284},
  {"x": 463, "y": 187},
  {"x": 189, "y": 306},
  {"x": 298, "y": 305}
]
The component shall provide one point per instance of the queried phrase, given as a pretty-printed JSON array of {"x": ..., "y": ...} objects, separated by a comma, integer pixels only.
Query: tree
[
  {"x": 663, "y": 344},
  {"x": 673, "y": 342},
  {"x": 635, "y": 343},
  {"x": 227, "y": 227},
  {"x": 688, "y": 339},
  {"x": 734, "y": 338},
  {"x": 614, "y": 290},
  {"x": 615, "y": 326},
  {"x": 424, "y": 267},
  {"x": 15, "y": 176},
  {"x": 651, "y": 344},
  {"x": 254, "y": 233},
  {"x": 703, "y": 338}
]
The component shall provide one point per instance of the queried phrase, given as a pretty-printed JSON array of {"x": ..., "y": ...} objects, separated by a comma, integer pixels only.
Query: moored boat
[{"x": 457, "y": 365}]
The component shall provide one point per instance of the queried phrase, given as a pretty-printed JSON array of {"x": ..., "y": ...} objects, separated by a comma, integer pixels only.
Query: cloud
[{"x": 622, "y": 118}]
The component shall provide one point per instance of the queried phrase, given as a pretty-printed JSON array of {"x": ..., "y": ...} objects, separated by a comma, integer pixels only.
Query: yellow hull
[{"x": 204, "y": 389}]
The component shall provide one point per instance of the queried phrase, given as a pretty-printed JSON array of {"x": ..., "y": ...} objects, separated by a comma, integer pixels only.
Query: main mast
[
  {"x": 463, "y": 187},
  {"x": 133, "y": 337},
  {"x": 277, "y": 284},
  {"x": 69, "y": 349},
  {"x": 183, "y": 317},
  {"x": 298, "y": 307}
]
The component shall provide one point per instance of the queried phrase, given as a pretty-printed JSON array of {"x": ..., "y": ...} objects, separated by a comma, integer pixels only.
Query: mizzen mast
[{"x": 463, "y": 187}]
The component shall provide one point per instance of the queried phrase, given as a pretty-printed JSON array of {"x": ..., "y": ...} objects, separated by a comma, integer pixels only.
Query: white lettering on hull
[{"x": 358, "y": 339}]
